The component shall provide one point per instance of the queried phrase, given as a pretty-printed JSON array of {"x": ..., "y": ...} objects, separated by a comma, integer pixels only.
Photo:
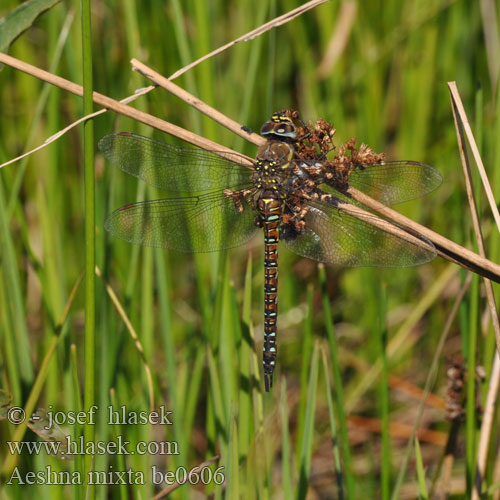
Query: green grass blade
[
  {"x": 14, "y": 305},
  {"x": 383, "y": 391},
  {"x": 216, "y": 393},
  {"x": 244, "y": 407},
  {"x": 78, "y": 431},
  {"x": 20, "y": 19},
  {"x": 339, "y": 399},
  {"x": 308, "y": 438},
  {"x": 470, "y": 418},
  {"x": 333, "y": 428},
  {"x": 422, "y": 487},
  {"x": 90, "y": 289},
  {"x": 286, "y": 469},
  {"x": 233, "y": 466},
  {"x": 305, "y": 364}
]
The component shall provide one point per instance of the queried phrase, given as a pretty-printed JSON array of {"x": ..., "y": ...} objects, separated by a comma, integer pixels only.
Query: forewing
[
  {"x": 336, "y": 237},
  {"x": 204, "y": 223},
  {"x": 174, "y": 168},
  {"x": 392, "y": 182}
]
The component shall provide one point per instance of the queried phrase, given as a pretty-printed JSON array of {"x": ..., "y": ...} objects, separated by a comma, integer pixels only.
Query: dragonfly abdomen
[{"x": 269, "y": 206}]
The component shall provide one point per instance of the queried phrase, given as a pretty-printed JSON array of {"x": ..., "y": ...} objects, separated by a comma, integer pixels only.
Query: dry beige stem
[
  {"x": 123, "y": 109},
  {"x": 386, "y": 226},
  {"x": 196, "y": 103},
  {"x": 461, "y": 124},
  {"x": 278, "y": 21},
  {"x": 446, "y": 248},
  {"x": 474, "y": 149}
]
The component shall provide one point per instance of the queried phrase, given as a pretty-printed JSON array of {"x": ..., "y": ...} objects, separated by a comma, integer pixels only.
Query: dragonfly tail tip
[{"x": 268, "y": 379}]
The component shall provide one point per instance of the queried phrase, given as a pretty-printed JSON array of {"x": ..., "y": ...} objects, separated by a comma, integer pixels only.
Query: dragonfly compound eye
[
  {"x": 267, "y": 128},
  {"x": 285, "y": 130},
  {"x": 280, "y": 126}
]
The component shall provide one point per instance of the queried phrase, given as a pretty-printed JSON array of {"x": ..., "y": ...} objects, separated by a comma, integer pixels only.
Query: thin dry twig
[
  {"x": 487, "y": 423},
  {"x": 445, "y": 247},
  {"x": 460, "y": 119},
  {"x": 140, "y": 92},
  {"x": 474, "y": 149},
  {"x": 123, "y": 109},
  {"x": 386, "y": 226},
  {"x": 278, "y": 21},
  {"x": 196, "y": 103},
  {"x": 63, "y": 131}
]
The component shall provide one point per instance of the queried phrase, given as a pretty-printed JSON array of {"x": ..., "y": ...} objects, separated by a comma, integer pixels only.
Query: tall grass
[
  {"x": 321, "y": 433},
  {"x": 90, "y": 249}
]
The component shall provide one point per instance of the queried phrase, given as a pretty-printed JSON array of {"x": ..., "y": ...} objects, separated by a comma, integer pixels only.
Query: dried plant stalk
[
  {"x": 278, "y": 21},
  {"x": 123, "y": 109},
  {"x": 446, "y": 248},
  {"x": 461, "y": 124},
  {"x": 196, "y": 103}
]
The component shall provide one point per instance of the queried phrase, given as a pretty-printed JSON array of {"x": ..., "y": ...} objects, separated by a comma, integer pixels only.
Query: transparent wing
[
  {"x": 335, "y": 237},
  {"x": 392, "y": 182},
  {"x": 173, "y": 168},
  {"x": 204, "y": 223}
]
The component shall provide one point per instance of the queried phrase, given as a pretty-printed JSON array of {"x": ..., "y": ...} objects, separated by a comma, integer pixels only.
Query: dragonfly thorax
[{"x": 272, "y": 166}]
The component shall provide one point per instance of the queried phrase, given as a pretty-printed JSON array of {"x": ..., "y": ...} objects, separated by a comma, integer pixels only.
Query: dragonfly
[{"x": 294, "y": 194}]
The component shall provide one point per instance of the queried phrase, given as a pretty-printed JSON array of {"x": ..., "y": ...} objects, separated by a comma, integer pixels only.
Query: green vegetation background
[{"x": 195, "y": 314}]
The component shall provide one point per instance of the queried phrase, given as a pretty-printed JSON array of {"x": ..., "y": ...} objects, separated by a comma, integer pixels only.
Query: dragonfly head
[{"x": 279, "y": 128}]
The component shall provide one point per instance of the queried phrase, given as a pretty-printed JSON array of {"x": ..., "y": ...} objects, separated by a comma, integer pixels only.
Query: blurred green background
[{"x": 378, "y": 71}]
